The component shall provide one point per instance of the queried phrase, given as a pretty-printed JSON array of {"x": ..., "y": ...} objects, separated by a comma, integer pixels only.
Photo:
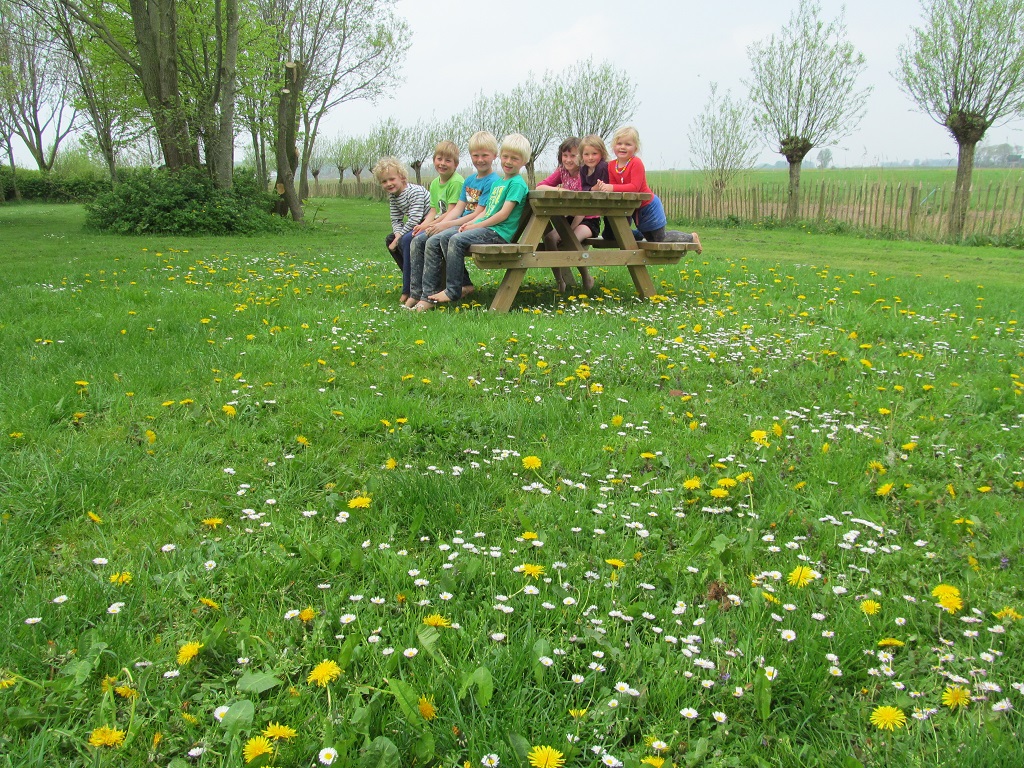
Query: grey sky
[{"x": 672, "y": 50}]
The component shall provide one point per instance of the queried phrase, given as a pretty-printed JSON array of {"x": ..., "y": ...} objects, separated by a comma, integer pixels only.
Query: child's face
[
  {"x": 625, "y": 148},
  {"x": 511, "y": 164},
  {"x": 393, "y": 184},
  {"x": 444, "y": 166},
  {"x": 591, "y": 157},
  {"x": 483, "y": 159},
  {"x": 570, "y": 160}
]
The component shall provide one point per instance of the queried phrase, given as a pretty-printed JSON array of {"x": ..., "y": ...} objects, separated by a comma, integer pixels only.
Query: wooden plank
[
  {"x": 645, "y": 245},
  {"x": 617, "y": 258},
  {"x": 502, "y": 248}
]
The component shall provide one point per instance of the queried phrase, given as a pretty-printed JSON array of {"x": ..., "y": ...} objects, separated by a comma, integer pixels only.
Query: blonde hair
[
  {"x": 449, "y": 150},
  {"x": 593, "y": 141},
  {"x": 627, "y": 132},
  {"x": 388, "y": 165},
  {"x": 517, "y": 144},
  {"x": 483, "y": 141}
]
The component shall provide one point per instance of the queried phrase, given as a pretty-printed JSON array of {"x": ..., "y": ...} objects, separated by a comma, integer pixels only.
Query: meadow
[{"x": 253, "y": 513}]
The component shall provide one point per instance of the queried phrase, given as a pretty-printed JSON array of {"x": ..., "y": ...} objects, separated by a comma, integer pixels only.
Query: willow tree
[
  {"x": 964, "y": 67},
  {"x": 722, "y": 140},
  {"x": 803, "y": 85}
]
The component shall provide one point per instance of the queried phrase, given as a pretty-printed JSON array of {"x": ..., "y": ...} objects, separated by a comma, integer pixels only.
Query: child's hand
[
  {"x": 394, "y": 245},
  {"x": 602, "y": 186}
]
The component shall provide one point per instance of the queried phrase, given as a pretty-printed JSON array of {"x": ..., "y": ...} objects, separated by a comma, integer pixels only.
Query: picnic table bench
[{"x": 549, "y": 208}]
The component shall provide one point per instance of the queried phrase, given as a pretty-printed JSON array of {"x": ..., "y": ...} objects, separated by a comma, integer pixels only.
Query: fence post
[
  {"x": 821, "y": 202},
  {"x": 700, "y": 206},
  {"x": 912, "y": 210}
]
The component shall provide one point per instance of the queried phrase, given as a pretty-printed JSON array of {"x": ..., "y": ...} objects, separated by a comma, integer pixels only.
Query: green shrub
[
  {"x": 183, "y": 202},
  {"x": 82, "y": 186}
]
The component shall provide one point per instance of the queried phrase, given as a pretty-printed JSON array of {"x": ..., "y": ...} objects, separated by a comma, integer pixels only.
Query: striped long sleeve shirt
[{"x": 408, "y": 208}]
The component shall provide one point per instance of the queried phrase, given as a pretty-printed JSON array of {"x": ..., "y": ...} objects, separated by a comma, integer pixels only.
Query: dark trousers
[{"x": 401, "y": 256}]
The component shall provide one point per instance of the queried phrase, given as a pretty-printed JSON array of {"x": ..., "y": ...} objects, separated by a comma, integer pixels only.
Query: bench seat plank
[
  {"x": 498, "y": 249},
  {"x": 617, "y": 258}
]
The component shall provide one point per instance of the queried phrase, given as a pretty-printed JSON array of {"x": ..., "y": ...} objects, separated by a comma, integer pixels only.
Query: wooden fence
[{"x": 918, "y": 210}]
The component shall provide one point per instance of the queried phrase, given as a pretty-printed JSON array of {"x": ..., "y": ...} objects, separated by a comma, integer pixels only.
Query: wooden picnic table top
[{"x": 558, "y": 202}]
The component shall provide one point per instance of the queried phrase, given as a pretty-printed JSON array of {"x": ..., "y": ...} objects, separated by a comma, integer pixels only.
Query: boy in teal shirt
[{"x": 497, "y": 224}]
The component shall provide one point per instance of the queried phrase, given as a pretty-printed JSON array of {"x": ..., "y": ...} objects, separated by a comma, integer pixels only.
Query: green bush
[
  {"x": 82, "y": 186},
  {"x": 183, "y": 202}
]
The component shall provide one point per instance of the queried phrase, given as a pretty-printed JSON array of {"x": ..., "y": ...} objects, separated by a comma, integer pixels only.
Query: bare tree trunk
[
  {"x": 224, "y": 94},
  {"x": 417, "y": 166},
  {"x": 287, "y": 151},
  {"x": 530, "y": 174},
  {"x": 341, "y": 180},
  {"x": 156, "y": 32},
  {"x": 14, "y": 173},
  {"x": 793, "y": 193},
  {"x": 961, "y": 188}
]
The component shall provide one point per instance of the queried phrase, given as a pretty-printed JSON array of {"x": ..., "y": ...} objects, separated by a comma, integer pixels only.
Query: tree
[
  {"x": 825, "y": 158},
  {"x": 349, "y": 49},
  {"x": 387, "y": 139},
  {"x": 343, "y": 153},
  {"x": 803, "y": 86},
  {"x": 36, "y": 91},
  {"x": 722, "y": 141},
  {"x": 421, "y": 139},
  {"x": 593, "y": 99},
  {"x": 964, "y": 67}
]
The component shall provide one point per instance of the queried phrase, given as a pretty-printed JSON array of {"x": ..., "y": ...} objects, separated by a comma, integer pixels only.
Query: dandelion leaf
[
  {"x": 698, "y": 753},
  {"x": 763, "y": 696},
  {"x": 347, "y": 650},
  {"x": 257, "y": 682},
  {"x": 382, "y": 753},
  {"x": 483, "y": 680},
  {"x": 238, "y": 718},
  {"x": 521, "y": 747},
  {"x": 423, "y": 749},
  {"x": 406, "y": 698},
  {"x": 428, "y": 637}
]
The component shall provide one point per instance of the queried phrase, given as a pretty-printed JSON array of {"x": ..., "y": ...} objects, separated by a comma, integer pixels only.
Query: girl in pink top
[
  {"x": 627, "y": 174},
  {"x": 567, "y": 176}
]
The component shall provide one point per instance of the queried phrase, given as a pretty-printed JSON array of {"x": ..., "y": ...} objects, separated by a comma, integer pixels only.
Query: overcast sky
[{"x": 671, "y": 48}]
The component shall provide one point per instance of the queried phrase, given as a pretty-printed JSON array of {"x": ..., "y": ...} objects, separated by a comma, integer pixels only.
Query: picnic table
[{"x": 549, "y": 208}]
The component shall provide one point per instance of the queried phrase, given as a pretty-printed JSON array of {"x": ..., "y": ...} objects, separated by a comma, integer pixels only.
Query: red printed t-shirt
[{"x": 632, "y": 178}]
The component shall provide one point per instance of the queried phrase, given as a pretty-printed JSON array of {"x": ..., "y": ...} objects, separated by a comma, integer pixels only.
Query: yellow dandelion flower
[
  {"x": 95, "y": 518},
  {"x": 944, "y": 590},
  {"x": 951, "y": 603},
  {"x": 529, "y": 535},
  {"x": 188, "y": 651},
  {"x": 532, "y": 569},
  {"x": 956, "y": 696},
  {"x": 213, "y": 522},
  {"x": 648, "y": 455},
  {"x": 324, "y": 672},
  {"x": 190, "y": 718},
  {"x": 577, "y": 714},
  {"x": 390, "y": 464},
  {"x": 745, "y": 477},
  {"x": 126, "y": 692},
  {"x": 984, "y": 488},
  {"x": 890, "y": 642},
  {"x": 437, "y": 620},
  {"x": 545, "y": 757},
  {"x": 255, "y": 747},
  {"x": 105, "y": 736},
  {"x": 210, "y": 603},
  {"x": 1008, "y": 613},
  {"x": 7, "y": 681},
  {"x": 718, "y": 493},
  {"x": 229, "y": 410},
  {"x": 359, "y": 502},
  {"x": 276, "y": 731},
  {"x": 426, "y": 707},
  {"x": 302, "y": 440},
  {"x": 307, "y": 614},
  {"x": 770, "y": 597},
  {"x": 760, "y": 437},
  {"x": 617, "y": 421},
  {"x": 884, "y": 490},
  {"x": 656, "y": 761},
  {"x": 614, "y": 562},
  {"x": 777, "y": 429},
  {"x": 727, "y": 482},
  {"x": 107, "y": 683},
  {"x": 877, "y": 466},
  {"x": 908, "y": 446},
  {"x": 888, "y": 718},
  {"x": 870, "y": 607},
  {"x": 801, "y": 576},
  {"x": 691, "y": 484},
  {"x": 531, "y": 462},
  {"x": 122, "y": 577},
  {"x": 150, "y": 436}
]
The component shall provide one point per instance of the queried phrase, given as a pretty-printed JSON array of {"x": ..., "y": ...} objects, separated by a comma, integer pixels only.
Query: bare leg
[
  {"x": 696, "y": 240},
  {"x": 585, "y": 278}
]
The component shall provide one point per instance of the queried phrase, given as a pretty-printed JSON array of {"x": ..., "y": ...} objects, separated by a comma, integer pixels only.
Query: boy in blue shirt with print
[
  {"x": 433, "y": 248},
  {"x": 497, "y": 224}
]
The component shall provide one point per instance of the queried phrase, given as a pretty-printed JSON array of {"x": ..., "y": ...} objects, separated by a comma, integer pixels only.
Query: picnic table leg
[
  {"x": 508, "y": 289},
  {"x": 642, "y": 281}
]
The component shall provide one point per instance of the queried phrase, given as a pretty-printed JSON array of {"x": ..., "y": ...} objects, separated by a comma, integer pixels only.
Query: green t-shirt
[
  {"x": 512, "y": 190},
  {"x": 444, "y": 196}
]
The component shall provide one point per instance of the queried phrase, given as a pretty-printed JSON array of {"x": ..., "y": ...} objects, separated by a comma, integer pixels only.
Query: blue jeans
[
  {"x": 651, "y": 221},
  {"x": 455, "y": 266},
  {"x": 424, "y": 249},
  {"x": 401, "y": 256}
]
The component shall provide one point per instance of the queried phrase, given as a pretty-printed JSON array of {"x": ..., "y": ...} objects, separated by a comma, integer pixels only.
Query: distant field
[{"x": 685, "y": 180}]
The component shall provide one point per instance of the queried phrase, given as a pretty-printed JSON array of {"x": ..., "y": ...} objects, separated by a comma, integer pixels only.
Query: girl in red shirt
[{"x": 627, "y": 174}]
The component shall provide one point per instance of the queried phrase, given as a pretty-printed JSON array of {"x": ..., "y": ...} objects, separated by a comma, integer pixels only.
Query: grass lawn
[{"x": 253, "y": 513}]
